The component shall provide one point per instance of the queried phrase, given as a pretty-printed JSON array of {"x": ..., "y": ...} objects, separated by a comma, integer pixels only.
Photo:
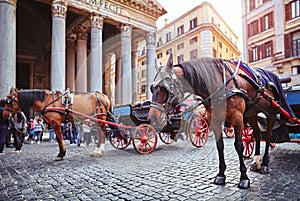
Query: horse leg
[
  {"x": 59, "y": 138},
  {"x": 238, "y": 130},
  {"x": 255, "y": 166},
  {"x": 98, "y": 152},
  {"x": 220, "y": 178},
  {"x": 265, "y": 162}
]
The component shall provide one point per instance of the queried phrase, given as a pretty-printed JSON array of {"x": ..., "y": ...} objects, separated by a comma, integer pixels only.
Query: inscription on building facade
[{"x": 101, "y": 4}]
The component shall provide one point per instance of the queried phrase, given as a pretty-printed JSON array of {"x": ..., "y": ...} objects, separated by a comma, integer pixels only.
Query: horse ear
[
  {"x": 12, "y": 91},
  {"x": 170, "y": 62}
]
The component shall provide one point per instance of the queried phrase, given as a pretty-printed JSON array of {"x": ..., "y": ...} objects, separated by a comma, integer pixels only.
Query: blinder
[{"x": 172, "y": 85}]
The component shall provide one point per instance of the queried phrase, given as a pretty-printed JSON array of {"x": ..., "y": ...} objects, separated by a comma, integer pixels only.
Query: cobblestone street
[{"x": 172, "y": 172}]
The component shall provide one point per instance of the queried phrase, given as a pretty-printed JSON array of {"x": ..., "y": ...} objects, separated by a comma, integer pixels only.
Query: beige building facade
[
  {"x": 201, "y": 32},
  {"x": 59, "y": 44},
  {"x": 272, "y": 36}
]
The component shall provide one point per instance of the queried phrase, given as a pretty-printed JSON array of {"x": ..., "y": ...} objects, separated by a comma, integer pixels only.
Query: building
[
  {"x": 201, "y": 32},
  {"x": 59, "y": 44},
  {"x": 272, "y": 36}
]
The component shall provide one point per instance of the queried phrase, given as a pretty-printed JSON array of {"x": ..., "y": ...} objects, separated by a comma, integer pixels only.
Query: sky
[{"x": 229, "y": 10}]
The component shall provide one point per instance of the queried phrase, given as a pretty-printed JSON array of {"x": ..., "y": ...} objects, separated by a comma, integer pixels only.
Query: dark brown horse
[
  {"x": 227, "y": 96},
  {"x": 53, "y": 104}
]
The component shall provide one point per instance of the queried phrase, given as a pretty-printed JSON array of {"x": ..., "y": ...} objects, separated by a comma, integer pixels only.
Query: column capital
[
  {"x": 96, "y": 21},
  {"x": 71, "y": 41},
  {"x": 13, "y": 2},
  {"x": 82, "y": 33},
  {"x": 59, "y": 8},
  {"x": 125, "y": 30},
  {"x": 150, "y": 38}
]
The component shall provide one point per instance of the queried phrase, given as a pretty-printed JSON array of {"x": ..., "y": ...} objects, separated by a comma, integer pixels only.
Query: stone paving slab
[{"x": 171, "y": 172}]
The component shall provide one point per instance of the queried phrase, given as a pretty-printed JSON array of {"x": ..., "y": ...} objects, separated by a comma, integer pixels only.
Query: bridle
[{"x": 173, "y": 87}]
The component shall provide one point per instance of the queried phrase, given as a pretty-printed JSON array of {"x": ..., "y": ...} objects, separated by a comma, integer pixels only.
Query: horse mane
[
  {"x": 26, "y": 98},
  {"x": 204, "y": 74}
]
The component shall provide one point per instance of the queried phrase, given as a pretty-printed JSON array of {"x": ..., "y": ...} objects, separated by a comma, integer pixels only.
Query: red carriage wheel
[
  {"x": 229, "y": 131},
  {"x": 144, "y": 139},
  {"x": 198, "y": 131},
  {"x": 119, "y": 140},
  {"x": 166, "y": 137},
  {"x": 248, "y": 141}
]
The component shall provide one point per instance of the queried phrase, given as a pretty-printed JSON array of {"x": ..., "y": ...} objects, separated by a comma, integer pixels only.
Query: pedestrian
[
  {"x": 79, "y": 133},
  {"x": 51, "y": 133},
  {"x": 87, "y": 135},
  {"x": 3, "y": 127},
  {"x": 69, "y": 132},
  {"x": 17, "y": 127},
  {"x": 38, "y": 129},
  {"x": 31, "y": 131}
]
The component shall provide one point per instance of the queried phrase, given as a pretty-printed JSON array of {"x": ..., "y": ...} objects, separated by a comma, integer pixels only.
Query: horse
[
  {"x": 227, "y": 96},
  {"x": 58, "y": 107}
]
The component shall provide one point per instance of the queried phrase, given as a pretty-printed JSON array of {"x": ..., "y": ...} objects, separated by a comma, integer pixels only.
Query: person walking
[
  {"x": 38, "y": 129},
  {"x": 3, "y": 127},
  {"x": 17, "y": 126}
]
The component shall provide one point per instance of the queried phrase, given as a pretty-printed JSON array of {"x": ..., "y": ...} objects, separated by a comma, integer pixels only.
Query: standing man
[
  {"x": 3, "y": 127},
  {"x": 18, "y": 126}
]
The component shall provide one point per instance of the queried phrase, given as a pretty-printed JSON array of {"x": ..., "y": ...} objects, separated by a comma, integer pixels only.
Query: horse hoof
[
  {"x": 96, "y": 154},
  {"x": 255, "y": 167},
  {"x": 244, "y": 183},
  {"x": 59, "y": 159},
  {"x": 219, "y": 180},
  {"x": 264, "y": 170}
]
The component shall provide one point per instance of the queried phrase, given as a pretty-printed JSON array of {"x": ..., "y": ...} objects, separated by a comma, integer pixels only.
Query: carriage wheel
[
  {"x": 198, "y": 131},
  {"x": 248, "y": 142},
  {"x": 144, "y": 139},
  {"x": 119, "y": 140},
  {"x": 166, "y": 137}
]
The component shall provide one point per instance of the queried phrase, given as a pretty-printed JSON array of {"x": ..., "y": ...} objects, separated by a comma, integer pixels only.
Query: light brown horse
[
  {"x": 53, "y": 104},
  {"x": 228, "y": 96}
]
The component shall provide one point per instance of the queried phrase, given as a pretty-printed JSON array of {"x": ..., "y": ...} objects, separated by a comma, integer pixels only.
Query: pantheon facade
[{"x": 75, "y": 44}]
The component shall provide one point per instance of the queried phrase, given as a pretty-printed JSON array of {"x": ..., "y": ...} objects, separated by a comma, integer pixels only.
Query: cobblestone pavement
[{"x": 172, "y": 172}]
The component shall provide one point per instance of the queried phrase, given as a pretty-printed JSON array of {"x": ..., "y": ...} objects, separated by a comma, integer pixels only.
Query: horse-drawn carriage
[{"x": 183, "y": 119}]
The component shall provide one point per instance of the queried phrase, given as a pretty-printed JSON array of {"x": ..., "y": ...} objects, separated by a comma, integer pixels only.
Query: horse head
[
  {"x": 11, "y": 104},
  {"x": 167, "y": 91}
]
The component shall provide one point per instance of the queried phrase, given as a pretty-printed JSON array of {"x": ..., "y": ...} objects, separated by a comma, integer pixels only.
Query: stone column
[
  {"x": 134, "y": 71},
  {"x": 150, "y": 55},
  {"x": 107, "y": 75},
  {"x": 71, "y": 62},
  {"x": 96, "y": 72},
  {"x": 118, "y": 78},
  {"x": 81, "y": 66},
  {"x": 8, "y": 45},
  {"x": 126, "y": 82},
  {"x": 58, "y": 52}
]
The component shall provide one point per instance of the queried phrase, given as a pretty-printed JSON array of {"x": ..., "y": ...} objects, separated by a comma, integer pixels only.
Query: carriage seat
[{"x": 140, "y": 111}]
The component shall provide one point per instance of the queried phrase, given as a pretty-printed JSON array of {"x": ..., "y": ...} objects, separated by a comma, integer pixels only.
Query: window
[
  {"x": 193, "y": 54},
  {"x": 267, "y": 49},
  {"x": 253, "y": 28},
  {"x": 214, "y": 53},
  {"x": 266, "y": 22},
  {"x": 193, "y": 40},
  {"x": 159, "y": 43},
  {"x": 168, "y": 51},
  {"x": 180, "y": 59},
  {"x": 296, "y": 47},
  {"x": 292, "y": 10},
  {"x": 295, "y": 70},
  {"x": 159, "y": 55},
  {"x": 180, "y": 30},
  {"x": 214, "y": 39},
  {"x": 220, "y": 45},
  {"x": 143, "y": 73},
  {"x": 251, "y": 4},
  {"x": 168, "y": 36},
  {"x": 193, "y": 23},
  {"x": 254, "y": 54},
  {"x": 180, "y": 46},
  {"x": 143, "y": 88}
]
